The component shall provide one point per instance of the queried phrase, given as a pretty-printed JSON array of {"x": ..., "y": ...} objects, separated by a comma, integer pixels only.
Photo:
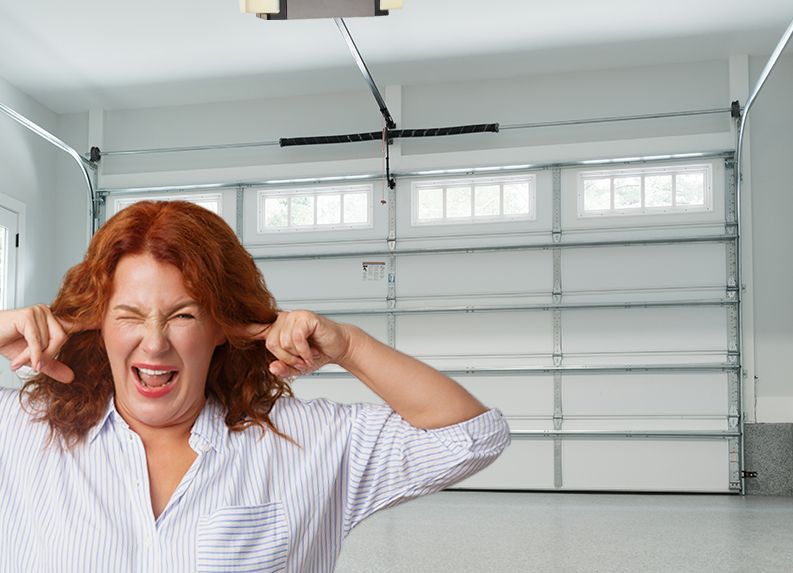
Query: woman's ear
[{"x": 220, "y": 338}]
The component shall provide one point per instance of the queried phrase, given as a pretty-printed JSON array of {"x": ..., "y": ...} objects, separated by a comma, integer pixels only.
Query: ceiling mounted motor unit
[{"x": 303, "y": 9}]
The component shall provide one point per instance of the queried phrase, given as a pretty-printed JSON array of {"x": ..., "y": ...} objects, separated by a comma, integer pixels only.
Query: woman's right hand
[{"x": 32, "y": 336}]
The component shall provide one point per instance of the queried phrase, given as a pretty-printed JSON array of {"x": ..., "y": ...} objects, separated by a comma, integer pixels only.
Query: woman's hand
[
  {"x": 33, "y": 336},
  {"x": 302, "y": 342}
]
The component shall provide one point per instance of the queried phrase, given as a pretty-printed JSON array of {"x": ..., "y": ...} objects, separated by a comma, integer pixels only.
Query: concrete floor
[{"x": 565, "y": 532}]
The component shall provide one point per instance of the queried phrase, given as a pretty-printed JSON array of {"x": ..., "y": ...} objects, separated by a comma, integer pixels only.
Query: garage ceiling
[{"x": 72, "y": 56}]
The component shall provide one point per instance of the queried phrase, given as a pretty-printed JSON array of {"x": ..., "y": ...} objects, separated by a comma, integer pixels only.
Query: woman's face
[{"x": 159, "y": 342}]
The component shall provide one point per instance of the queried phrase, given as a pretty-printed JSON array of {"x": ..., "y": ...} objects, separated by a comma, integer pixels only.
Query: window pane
[
  {"x": 627, "y": 192},
  {"x": 276, "y": 211},
  {"x": 658, "y": 191},
  {"x": 328, "y": 209},
  {"x": 516, "y": 198},
  {"x": 597, "y": 194},
  {"x": 302, "y": 211},
  {"x": 430, "y": 204},
  {"x": 458, "y": 202},
  {"x": 209, "y": 205},
  {"x": 487, "y": 200},
  {"x": 690, "y": 189},
  {"x": 356, "y": 209}
]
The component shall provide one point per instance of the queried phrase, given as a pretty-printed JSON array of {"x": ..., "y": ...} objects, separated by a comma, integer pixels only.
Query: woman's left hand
[{"x": 302, "y": 342}]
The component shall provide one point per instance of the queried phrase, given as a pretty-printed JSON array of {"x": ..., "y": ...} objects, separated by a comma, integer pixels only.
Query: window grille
[
  {"x": 474, "y": 200},
  {"x": 211, "y": 201},
  {"x": 645, "y": 191},
  {"x": 315, "y": 208}
]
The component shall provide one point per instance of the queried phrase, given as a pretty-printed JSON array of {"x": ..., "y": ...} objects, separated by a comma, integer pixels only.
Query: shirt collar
[
  {"x": 209, "y": 428},
  {"x": 95, "y": 431}
]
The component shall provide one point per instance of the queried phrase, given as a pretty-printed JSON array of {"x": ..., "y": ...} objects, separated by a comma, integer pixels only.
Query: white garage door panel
[
  {"x": 376, "y": 326},
  {"x": 525, "y": 464},
  {"x": 639, "y": 335},
  {"x": 658, "y": 272},
  {"x": 628, "y": 394},
  {"x": 343, "y": 389},
  {"x": 319, "y": 284},
  {"x": 488, "y": 278},
  {"x": 651, "y": 465},
  {"x": 518, "y": 396},
  {"x": 485, "y": 339},
  {"x": 645, "y": 424}
]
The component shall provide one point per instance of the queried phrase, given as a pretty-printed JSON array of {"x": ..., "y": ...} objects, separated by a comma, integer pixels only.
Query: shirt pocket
[{"x": 243, "y": 539}]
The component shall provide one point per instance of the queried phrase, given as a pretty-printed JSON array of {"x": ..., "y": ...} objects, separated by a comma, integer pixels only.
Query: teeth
[
  {"x": 153, "y": 372},
  {"x": 155, "y": 378}
]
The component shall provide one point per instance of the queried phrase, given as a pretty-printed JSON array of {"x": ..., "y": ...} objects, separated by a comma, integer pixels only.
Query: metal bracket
[
  {"x": 735, "y": 464},
  {"x": 387, "y": 141},
  {"x": 556, "y": 294},
  {"x": 240, "y": 210},
  {"x": 557, "y": 401},
  {"x": 748, "y": 474},
  {"x": 733, "y": 334},
  {"x": 556, "y": 232},
  {"x": 730, "y": 198},
  {"x": 557, "y": 464},
  {"x": 558, "y": 419},
  {"x": 735, "y": 109},
  {"x": 392, "y": 266},
  {"x": 99, "y": 204},
  {"x": 557, "y": 337},
  {"x": 731, "y": 253},
  {"x": 734, "y": 399}
]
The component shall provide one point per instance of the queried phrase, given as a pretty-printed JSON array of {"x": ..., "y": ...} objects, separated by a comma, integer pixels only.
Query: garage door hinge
[{"x": 748, "y": 474}]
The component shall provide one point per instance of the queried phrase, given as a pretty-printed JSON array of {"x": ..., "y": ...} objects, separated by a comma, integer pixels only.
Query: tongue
[{"x": 157, "y": 380}]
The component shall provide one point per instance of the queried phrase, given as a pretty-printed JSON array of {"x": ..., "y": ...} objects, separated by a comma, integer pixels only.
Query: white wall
[
  {"x": 71, "y": 196},
  {"x": 771, "y": 124},
  {"x": 27, "y": 173}
]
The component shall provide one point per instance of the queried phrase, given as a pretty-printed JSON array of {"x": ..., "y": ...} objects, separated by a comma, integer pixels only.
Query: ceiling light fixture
[{"x": 303, "y": 9}]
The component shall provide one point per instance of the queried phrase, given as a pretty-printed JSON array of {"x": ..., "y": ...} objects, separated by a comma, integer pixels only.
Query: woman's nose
[{"x": 155, "y": 339}]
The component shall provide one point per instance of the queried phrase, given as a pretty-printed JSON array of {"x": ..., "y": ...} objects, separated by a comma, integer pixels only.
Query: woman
[{"x": 160, "y": 432}]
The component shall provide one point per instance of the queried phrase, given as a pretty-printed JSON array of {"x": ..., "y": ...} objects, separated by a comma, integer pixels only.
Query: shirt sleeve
[{"x": 391, "y": 461}]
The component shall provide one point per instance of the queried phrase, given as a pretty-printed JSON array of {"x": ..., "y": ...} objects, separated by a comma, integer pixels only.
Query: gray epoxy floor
[{"x": 565, "y": 532}]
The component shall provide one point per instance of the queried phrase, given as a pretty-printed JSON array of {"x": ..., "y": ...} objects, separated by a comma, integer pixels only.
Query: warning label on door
[{"x": 373, "y": 271}]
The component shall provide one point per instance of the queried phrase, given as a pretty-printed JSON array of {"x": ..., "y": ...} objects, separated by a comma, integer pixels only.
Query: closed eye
[{"x": 184, "y": 316}]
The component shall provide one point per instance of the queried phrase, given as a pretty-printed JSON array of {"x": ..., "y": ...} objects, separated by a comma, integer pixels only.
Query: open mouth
[{"x": 154, "y": 382}]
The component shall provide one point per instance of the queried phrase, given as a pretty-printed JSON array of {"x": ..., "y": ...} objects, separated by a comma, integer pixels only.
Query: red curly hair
[{"x": 217, "y": 271}]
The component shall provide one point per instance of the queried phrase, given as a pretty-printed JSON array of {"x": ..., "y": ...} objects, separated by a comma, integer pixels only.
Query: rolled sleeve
[{"x": 391, "y": 461}]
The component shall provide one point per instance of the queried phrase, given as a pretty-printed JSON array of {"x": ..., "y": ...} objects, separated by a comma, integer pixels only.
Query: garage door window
[
  {"x": 474, "y": 200},
  {"x": 670, "y": 189},
  {"x": 307, "y": 209}
]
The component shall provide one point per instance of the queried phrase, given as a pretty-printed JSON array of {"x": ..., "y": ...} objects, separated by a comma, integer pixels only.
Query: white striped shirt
[{"x": 251, "y": 501}]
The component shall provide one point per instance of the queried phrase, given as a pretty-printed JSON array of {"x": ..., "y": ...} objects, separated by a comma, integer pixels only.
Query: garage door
[{"x": 594, "y": 303}]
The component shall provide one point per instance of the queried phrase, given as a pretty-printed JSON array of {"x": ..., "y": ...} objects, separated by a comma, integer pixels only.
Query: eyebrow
[{"x": 135, "y": 310}]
